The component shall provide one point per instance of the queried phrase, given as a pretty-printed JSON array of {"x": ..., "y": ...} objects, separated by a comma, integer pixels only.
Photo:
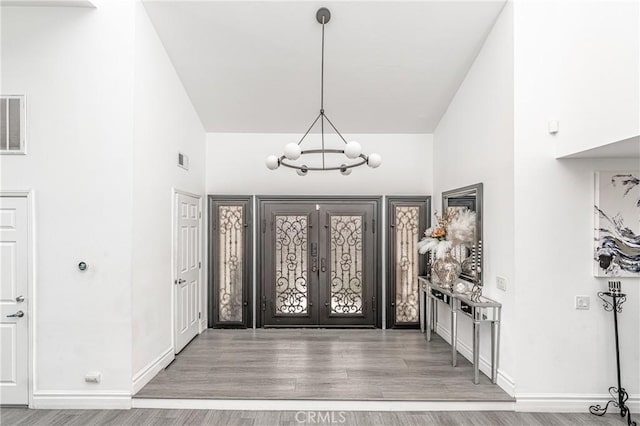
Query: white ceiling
[{"x": 390, "y": 67}]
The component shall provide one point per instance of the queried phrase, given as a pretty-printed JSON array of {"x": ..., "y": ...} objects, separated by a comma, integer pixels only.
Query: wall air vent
[
  {"x": 183, "y": 161},
  {"x": 12, "y": 124}
]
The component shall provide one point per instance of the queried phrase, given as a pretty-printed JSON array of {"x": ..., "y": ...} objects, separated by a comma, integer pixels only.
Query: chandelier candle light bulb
[
  {"x": 302, "y": 171},
  {"x": 292, "y": 151},
  {"x": 352, "y": 150},
  {"x": 345, "y": 170},
  {"x": 374, "y": 160},
  {"x": 272, "y": 162}
]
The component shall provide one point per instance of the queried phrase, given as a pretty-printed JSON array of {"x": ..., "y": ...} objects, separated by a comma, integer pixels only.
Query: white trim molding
[
  {"x": 82, "y": 400},
  {"x": 320, "y": 405},
  {"x": 144, "y": 376},
  {"x": 504, "y": 380},
  {"x": 567, "y": 402}
]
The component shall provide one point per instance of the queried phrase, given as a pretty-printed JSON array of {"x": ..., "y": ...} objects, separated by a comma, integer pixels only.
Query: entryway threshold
[{"x": 320, "y": 405}]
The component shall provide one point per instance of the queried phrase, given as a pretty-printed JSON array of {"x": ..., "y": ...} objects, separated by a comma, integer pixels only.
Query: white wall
[
  {"x": 75, "y": 66},
  {"x": 165, "y": 122},
  {"x": 107, "y": 116},
  {"x": 474, "y": 143},
  {"x": 589, "y": 55},
  {"x": 235, "y": 165},
  {"x": 564, "y": 355}
]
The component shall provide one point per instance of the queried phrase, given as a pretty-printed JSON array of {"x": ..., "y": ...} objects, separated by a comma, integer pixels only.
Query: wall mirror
[{"x": 470, "y": 258}]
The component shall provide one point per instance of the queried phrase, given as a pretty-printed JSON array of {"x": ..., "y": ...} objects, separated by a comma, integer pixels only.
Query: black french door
[{"x": 318, "y": 264}]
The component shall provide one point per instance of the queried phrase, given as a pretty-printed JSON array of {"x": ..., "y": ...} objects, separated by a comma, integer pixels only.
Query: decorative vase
[{"x": 447, "y": 270}]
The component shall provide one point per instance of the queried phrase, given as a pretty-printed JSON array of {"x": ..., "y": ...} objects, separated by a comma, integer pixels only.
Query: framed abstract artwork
[{"x": 617, "y": 224}]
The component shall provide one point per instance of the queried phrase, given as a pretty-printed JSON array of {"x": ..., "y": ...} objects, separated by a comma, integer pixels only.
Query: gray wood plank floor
[
  {"x": 23, "y": 416},
  {"x": 320, "y": 364}
]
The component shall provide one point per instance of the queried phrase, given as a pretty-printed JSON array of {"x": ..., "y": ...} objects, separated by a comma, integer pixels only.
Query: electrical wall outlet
[
  {"x": 501, "y": 283},
  {"x": 583, "y": 302},
  {"x": 92, "y": 377}
]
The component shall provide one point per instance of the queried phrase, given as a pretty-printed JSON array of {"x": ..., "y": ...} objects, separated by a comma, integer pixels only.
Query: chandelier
[{"x": 351, "y": 150}]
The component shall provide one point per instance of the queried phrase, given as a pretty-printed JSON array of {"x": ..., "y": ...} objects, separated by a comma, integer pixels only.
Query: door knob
[
  {"x": 20, "y": 299},
  {"x": 18, "y": 314},
  {"x": 180, "y": 281}
]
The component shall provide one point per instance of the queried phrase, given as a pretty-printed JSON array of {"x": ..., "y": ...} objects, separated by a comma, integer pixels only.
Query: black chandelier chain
[
  {"x": 322, "y": 72},
  {"x": 322, "y": 116}
]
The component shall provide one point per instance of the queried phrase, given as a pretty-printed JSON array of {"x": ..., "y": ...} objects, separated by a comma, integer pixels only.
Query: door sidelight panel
[{"x": 408, "y": 217}]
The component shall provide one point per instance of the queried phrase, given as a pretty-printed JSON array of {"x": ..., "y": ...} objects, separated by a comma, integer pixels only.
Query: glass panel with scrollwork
[
  {"x": 346, "y": 264},
  {"x": 230, "y": 262},
  {"x": 291, "y": 286},
  {"x": 406, "y": 228}
]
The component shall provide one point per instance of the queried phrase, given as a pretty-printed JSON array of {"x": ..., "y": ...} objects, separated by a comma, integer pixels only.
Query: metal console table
[
  {"x": 479, "y": 311},
  {"x": 429, "y": 311}
]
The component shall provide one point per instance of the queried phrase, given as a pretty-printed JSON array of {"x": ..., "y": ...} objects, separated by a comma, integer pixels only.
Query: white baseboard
[
  {"x": 504, "y": 380},
  {"x": 203, "y": 326},
  {"x": 82, "y": 400},
  {"x": 568, "y": 403},
  {"x": 147, "y": 373},
  {"x": 318, "y": 405}
]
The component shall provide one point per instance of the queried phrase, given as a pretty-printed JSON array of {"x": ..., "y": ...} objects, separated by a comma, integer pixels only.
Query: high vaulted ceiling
[{"x": 390, "y": 67}]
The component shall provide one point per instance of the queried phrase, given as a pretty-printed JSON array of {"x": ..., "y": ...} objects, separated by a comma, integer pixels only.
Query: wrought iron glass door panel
[
  {"x": 291, "y": 278},
  {"x": 230, "y": 261},
  {"x": 408, "y": 217},
  {"x": 346, "y": 265},
  {"x": 318, "y": 264}
]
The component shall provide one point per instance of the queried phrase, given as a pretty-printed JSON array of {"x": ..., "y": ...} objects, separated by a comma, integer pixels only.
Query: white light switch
[
  {"x": 583, "y": 302},
  {"x": 92, "y": 377},
  {"x": 501, "y": 283},
  {"x": 554, "y": 127}
]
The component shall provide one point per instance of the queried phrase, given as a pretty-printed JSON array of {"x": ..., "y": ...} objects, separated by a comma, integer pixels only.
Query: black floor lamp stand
[{"x": 619, "y": 395}]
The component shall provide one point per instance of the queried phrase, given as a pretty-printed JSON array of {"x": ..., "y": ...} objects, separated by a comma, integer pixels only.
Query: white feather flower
[
  {"x": 462, "y": 229},
  {"x": 456, "y": 227},
  {"x": 427, "y": 244}
]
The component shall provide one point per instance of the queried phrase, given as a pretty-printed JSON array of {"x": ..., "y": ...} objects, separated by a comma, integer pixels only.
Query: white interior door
[
  {"x": 14, "y": 330},
  {"x": 188, "y": 269}
]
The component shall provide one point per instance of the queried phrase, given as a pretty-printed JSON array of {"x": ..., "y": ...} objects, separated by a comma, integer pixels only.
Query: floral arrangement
[{"x": 456, "y": 227}]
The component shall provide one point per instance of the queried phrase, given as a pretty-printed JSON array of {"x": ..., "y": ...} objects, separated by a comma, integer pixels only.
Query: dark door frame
[
  {"x": 247, "y": 287},
  {"x": 425, "y": 222},
  {"x": 261, "y": 200}
]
